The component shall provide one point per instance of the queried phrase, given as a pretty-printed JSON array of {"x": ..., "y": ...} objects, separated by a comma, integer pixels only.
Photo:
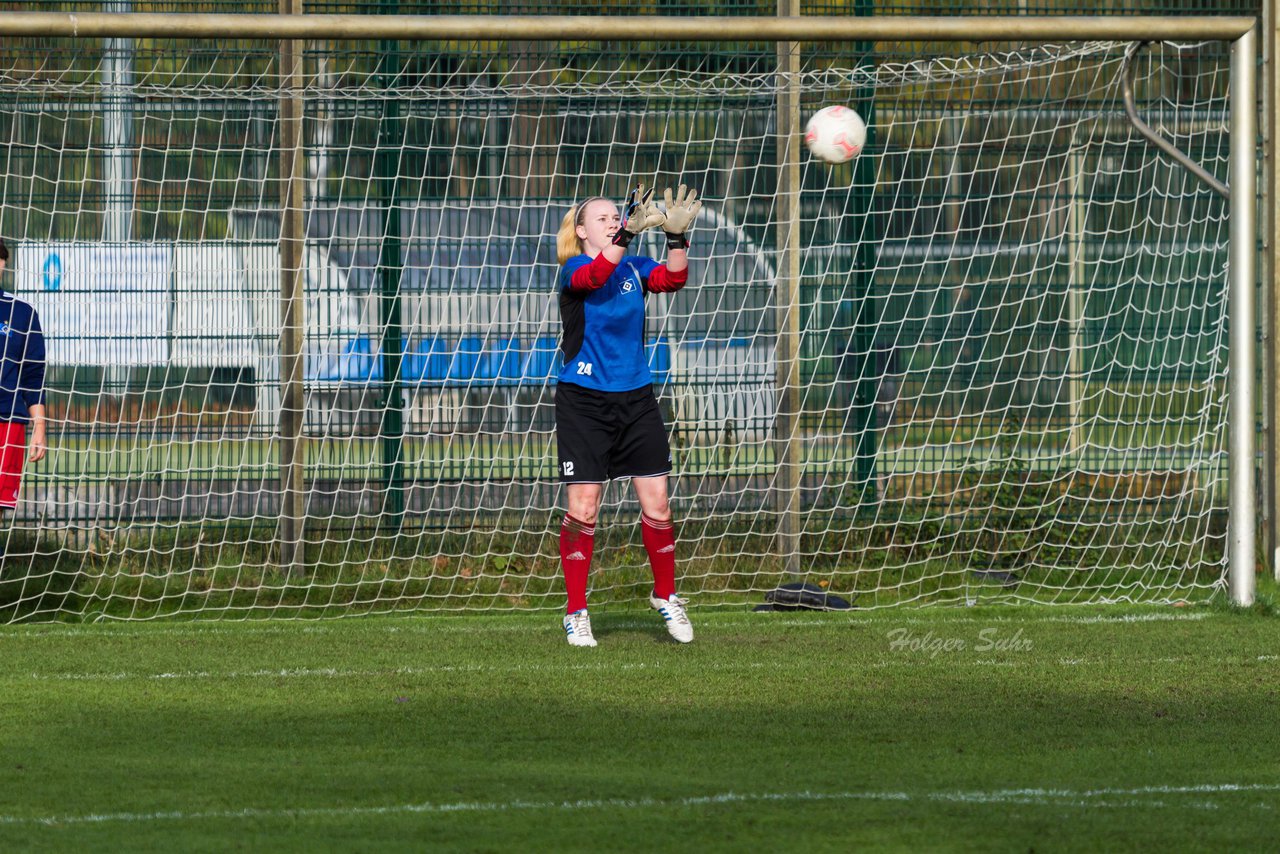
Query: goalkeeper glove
[
  {"x": 681, "y": 211},
  {"x": 638, "y": 214}
]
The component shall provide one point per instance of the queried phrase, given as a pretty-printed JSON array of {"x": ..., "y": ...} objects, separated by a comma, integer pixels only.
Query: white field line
[
  {"x": 900, "y": 660},
  {"x": 1013, "y": 619},
  {"x": 334, "y": 673},
  {"x": 961, "y": 659},
  {"x": 1140, "y": 798},
  {"x": 436, "y": 624}
]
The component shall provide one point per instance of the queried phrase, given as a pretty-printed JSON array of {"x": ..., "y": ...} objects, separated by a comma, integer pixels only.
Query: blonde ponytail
[{"x": 567, "y": 243}]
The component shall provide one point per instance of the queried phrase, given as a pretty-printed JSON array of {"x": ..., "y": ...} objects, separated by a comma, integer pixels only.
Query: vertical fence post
[
  {"x": 292, "y": 323},
  {"x": 390, "y": 263},
  {"x": 871, "y": 369},
  {"x": 1241, "y": 416},
  {"x": 787, "y": 293}
]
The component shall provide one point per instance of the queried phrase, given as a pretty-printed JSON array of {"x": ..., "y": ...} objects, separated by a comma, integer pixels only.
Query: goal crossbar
[{"x": 589, "y": 28}]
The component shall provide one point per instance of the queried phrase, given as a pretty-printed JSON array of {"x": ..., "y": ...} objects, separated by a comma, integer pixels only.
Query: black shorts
[{"x": 604, "y": 435}]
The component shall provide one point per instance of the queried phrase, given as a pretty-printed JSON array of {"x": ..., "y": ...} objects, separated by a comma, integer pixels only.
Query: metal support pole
[
  {"x": 787, "y": 451},
  {"x": 1171, "y": 151},
  {"x": 117, "y": 133},
  {"x": 292, "y": 323},
  {"x": 117, "y": 165},
  {"x": 1076, "y": 221},
  {"x": 871, "y": 367},
  {"x": 1241, "y": 417},
  {"x": 390, "y": 265}
]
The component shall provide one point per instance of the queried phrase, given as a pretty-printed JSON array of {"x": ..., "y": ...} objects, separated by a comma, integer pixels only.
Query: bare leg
[
  {"x": 584, "y": 501},
  {"x": 652, "y": 493}
]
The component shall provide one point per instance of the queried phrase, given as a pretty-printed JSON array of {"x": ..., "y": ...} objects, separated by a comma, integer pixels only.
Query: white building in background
[
  {"x": 138, "y": 305},
  {"x": 471, "y": 274}
]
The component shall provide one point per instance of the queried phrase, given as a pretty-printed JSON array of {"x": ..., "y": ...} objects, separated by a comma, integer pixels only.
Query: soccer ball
[{"x": 835, "y": 134}]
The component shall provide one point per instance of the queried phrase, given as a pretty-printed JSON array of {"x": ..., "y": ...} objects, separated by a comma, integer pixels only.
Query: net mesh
[{"x": 1011, "y": 354}]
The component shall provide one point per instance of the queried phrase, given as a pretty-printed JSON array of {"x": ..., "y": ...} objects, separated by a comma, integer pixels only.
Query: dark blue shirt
[
  {"x": 22, "y": 367},
  {"x": 604, "y": 329}
]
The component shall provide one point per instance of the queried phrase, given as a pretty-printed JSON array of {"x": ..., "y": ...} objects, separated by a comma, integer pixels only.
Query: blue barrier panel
[
  {"x": 440, "y": 361},
  {"x": 541, "y": 365},
  {"x": 357, "y": 362},
  {"x": 501, "y": 362},
  {"x": 427, "y": 363},
  {"x": 465, "y": 364}
]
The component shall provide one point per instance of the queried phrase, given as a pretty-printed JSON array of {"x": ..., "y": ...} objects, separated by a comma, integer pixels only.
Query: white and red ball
[{"x": 836, "y": 134}]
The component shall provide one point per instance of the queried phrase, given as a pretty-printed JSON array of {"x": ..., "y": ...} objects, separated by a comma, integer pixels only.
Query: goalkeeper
[{"x": 607, "y": 420}]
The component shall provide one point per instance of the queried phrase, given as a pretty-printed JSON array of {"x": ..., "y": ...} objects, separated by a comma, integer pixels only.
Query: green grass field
[{"x": 982, "y": 728}]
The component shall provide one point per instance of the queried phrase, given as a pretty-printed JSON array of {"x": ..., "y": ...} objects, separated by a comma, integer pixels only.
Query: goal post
[
  {"x": 1049, "y": 411},
  {"x": 1243, "y": 256}
]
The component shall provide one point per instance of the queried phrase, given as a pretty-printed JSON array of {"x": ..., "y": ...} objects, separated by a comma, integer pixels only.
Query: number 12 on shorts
[
  {"x": 584, "y": 368},
  {"x": 568, "y": 468}
]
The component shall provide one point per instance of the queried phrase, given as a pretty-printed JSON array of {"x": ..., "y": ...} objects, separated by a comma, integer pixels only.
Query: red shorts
[{"x": 13, "y": 455}]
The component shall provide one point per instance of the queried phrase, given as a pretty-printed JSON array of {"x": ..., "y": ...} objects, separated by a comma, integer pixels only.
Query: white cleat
[
  {"x": 672, "y": 610},
  {"x": 577, "y": 628}
]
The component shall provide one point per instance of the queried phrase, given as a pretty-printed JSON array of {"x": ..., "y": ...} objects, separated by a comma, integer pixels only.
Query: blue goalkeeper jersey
[
  {"x": 603, "y": 341},
  {"x": 22, "y": 362}
]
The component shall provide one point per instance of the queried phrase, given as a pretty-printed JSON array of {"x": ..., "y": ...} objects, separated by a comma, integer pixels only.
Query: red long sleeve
[
  {"x": 590, "y": 277},
  {"x": 664, "y": 281}
]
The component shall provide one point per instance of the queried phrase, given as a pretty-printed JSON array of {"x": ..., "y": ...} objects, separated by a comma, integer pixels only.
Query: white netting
[{"x": 1012, "y": 327}]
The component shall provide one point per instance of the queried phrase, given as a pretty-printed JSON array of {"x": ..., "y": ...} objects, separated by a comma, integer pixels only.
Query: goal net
[{"x": 1011, "y": 325}]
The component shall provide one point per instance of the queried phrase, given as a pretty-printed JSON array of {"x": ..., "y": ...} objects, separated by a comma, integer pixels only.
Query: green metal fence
[{"x": 194, "y": 191}]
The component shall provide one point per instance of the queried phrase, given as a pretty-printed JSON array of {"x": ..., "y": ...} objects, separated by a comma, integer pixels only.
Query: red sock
[
  {"x": 577, "y": 539},
  {"x": 660, "y": 541}
]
